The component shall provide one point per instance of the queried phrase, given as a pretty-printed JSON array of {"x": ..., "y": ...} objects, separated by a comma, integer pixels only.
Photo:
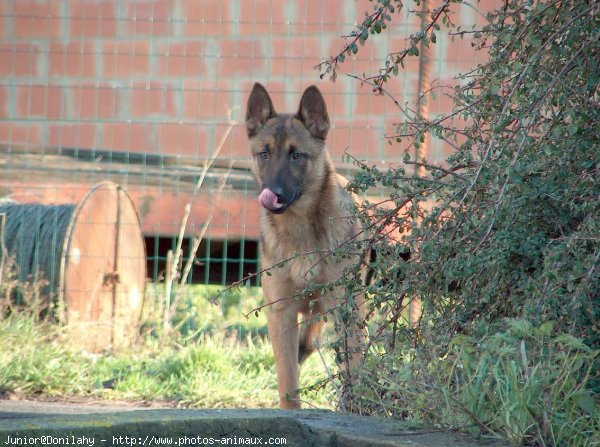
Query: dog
[{"x": 305, "y": 215}]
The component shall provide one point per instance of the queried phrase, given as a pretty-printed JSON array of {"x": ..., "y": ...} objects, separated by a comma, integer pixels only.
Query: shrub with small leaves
[{"x": 508, "y": 228}]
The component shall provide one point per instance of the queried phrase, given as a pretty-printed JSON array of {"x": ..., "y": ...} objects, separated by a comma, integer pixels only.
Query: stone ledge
[{"x": 112, "y": 427}]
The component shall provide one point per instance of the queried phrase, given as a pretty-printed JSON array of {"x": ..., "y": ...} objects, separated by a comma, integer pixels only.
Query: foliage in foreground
[
  {"x": 521, "y": 384},
  {"x": 504, "y": 234}
]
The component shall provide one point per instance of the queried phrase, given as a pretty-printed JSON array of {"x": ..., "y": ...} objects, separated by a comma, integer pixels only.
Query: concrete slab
[
  {"x": 47, "y": 423},
  {"x": 29, "y": 408}
]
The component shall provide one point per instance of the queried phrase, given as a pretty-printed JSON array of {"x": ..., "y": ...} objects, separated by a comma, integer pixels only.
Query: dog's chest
[{"x": 303, "y": 250}]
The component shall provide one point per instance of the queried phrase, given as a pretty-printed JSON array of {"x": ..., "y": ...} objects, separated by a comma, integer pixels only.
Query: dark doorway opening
[{"x": 216, "y": 262}]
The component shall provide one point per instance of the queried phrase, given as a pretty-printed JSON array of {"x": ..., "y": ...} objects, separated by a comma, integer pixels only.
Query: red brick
[
  {"x": 404, "y": 87},
  {"x": 360, "y": 138},
  {"x": 131, "y": 137},
  {"x": 461, "y": 56},
  {"x": 232, "y": 215},
  {"x": 92, "y": 102},
  {"x": 149, "y": 18},
  {"x": 125, "y": 59},
  {"x": 92, "y": 18},
  {"x": 39, "y": 101},
  {"x": 236, "y": 145},
  {"x": 367, "y": 103},
  {"x": 182, "y": 59},
  {"x": 438, "y": 151},
  {"x": 202, "y": 101},
  {"x": 80, "y": 135},
  {"x": 309, "y": 73},
  {"x": 264, "y": 17},
  {"x": 366, "y": 61},
  {"x": 403, "y": 24},
  {"x": 76, "y": 59},
  {"x": 38, "y": 18},
  {"x": 4, "y": 18},
  {"x": 4, "y": 95},
  {"x": 187, "y": 140},
  {"x": 398, "y": 85},
  {"x": 18, "y": 60},
  {"x": 206, "y": 17},
  {"x": 318, "y": 16},
  {"x": 442, "y": 104},
  {"x": 468, "y": 15},
  {"x": 288, "y": 56},
  {"x": 152, "y": 99},
  {"x": 239, "y": 57},
  {"x": 19, "y": 135}
]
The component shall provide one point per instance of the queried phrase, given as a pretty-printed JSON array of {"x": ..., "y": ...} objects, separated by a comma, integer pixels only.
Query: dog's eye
[
  {"x": 296, "y": 155},
  {"x": 264, "y": 155}
]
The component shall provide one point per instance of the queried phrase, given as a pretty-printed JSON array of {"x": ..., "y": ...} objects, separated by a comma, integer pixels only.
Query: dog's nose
[{"x": 279, "y": 193}]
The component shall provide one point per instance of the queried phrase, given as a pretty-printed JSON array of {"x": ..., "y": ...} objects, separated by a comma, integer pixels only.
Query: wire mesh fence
[{"x": 140, "y": 93}]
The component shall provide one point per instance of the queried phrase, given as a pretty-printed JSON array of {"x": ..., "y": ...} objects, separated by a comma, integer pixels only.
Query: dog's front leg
[
  {"x": 282, "y": 321},
  {"x": 283, "y": 332}
]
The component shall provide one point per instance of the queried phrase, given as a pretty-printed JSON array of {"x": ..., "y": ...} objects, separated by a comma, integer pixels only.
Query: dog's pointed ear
[
  {"x": 313, "y": 112},
  {"x": 260, "y": 109}
]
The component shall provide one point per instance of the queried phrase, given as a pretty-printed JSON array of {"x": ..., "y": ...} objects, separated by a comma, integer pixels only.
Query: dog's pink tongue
[{"x": 268, "y": 200}]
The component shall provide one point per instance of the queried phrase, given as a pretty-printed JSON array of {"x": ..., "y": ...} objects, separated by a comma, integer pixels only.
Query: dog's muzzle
[{"x": 271, "y": 201}]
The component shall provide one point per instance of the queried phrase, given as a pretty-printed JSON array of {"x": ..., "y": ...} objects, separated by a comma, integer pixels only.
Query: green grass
[
  {"x": 216, "y": 358},
  {"x": 204, "y": 310}
]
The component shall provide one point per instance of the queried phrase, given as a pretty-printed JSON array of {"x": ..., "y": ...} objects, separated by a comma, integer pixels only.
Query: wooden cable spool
[{"x": 101, "y": 256}]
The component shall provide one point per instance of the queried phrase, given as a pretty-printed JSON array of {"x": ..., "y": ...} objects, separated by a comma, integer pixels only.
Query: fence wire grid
[{"x": 140, "y": 93}]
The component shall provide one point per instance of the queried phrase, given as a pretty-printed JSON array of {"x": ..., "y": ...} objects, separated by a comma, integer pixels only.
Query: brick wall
[{"x": 94, "y": 89}]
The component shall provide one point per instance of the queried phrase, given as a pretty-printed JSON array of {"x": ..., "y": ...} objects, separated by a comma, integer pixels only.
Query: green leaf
[
  {"x": 364, "y": 36},
  {"x": 544, "y": 329},
  {"x": 520, "y": 328},
  {"x": 557, "y": 132},
  {"x": 572, "y": 342},
  {"x": 584, "y": 400}
]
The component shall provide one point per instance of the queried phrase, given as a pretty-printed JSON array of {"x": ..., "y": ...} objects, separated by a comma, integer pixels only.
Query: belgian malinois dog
[{"x": 304, "y": 215}]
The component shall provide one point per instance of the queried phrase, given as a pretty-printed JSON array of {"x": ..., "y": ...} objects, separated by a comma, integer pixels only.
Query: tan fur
[{"x": 311, "y": 226}]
